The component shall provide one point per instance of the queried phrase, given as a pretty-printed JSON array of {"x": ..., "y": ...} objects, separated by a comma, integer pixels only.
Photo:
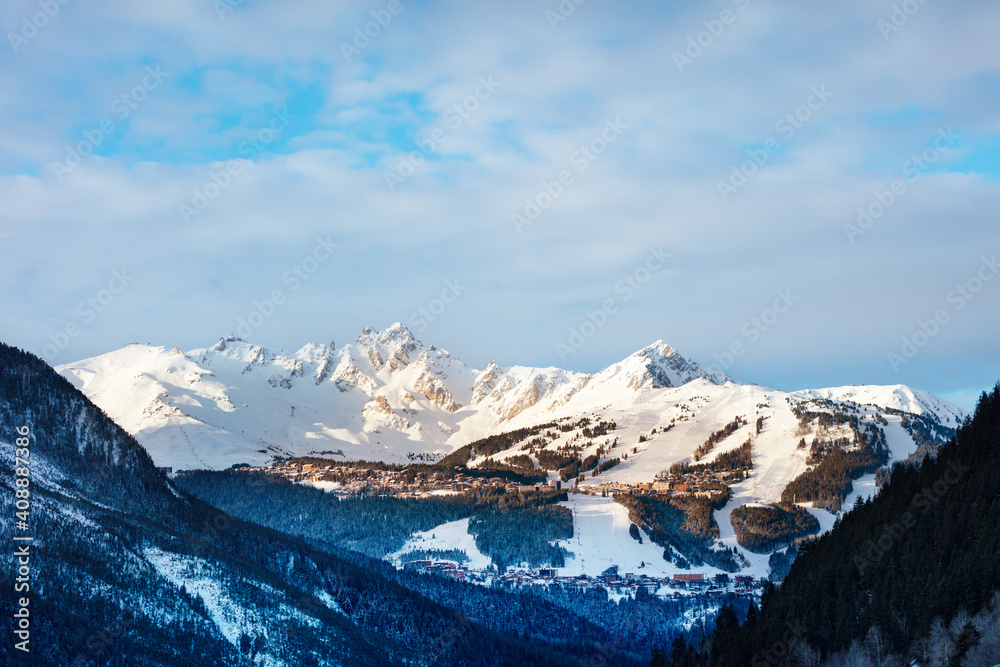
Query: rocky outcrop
[
  {"x": 526, "y": 396},
  {"x": 387, "y": 349},
  {"x": 435, "y": 391},
  {"x": 378, "y": 410},
  {"x": 486, "y": 383},
  {"x": 348, "y": 376}
]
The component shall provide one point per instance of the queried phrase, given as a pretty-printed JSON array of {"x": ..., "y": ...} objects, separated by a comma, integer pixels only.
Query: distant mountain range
[
  {"x": 391, "y": 398},
  {"x": 112, "y": 533}
]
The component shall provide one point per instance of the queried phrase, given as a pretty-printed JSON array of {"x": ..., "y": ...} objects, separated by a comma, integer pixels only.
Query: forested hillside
[
  {"x": 911, "y": 576},
  {"x": 509, "y": 527}
]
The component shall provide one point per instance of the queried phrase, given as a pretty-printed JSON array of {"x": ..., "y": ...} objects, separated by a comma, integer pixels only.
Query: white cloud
[{"x": 655, "y": 186}]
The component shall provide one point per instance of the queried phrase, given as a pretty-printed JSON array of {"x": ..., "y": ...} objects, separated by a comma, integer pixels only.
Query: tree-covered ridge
[
  {"x": 739, "y": 460},
  {"x": 566, "y": 460},
  {"x": 509, "y": 527},
  {"x": 526, "y": 535},
  {"x": 837, "y": 461},
  {"x": 718, "y": 437},
  {"x": 685, "y": 529},
  {"x": 762, "y": 529}
]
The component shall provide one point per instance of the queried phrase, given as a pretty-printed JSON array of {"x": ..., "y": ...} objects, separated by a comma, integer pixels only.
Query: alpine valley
[
  {"x": 383, "y": 503},
  {"x": 716, "y": 475}
]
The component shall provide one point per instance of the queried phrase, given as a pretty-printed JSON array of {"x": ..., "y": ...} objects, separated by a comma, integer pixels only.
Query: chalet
[
  {"x": 689, "y": 578},
  {"x": 744, "y": 581}
]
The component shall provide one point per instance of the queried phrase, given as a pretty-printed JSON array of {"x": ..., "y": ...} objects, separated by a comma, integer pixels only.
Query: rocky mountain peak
[{"x": 659, "y": 365}]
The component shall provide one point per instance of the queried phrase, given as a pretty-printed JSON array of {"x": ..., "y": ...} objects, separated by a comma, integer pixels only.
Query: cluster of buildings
[
  {"x": 699, "y": 484},
  {"x": 416, "y": 482},
  {"x": 404, "y": 482},
  {"x": 610, "y": 581}
]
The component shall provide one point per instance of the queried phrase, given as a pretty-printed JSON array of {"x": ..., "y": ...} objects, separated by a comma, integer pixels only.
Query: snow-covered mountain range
[{"x": 389, "y": 397}]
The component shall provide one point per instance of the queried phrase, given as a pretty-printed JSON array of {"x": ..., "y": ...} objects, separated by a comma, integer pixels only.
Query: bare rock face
[
  {"x": 659, "y": 365},
  {"x": 325, "y": 363},
  {"x": 378, "y": 405},
  {"x": 526, "y": 397},
  {"x": 348, "y": 376},
  {"x": 324, "y": 369},
  {"x": 486, "y": 383},
  {"x": 398, "y": 361},
  {"x": 388, "y": 349},
  {"x": 574, "y": 390},
  {"x": 259, "y": 358},
  {"x": 375, "y": 358},
  {"x": 157, "y": 408},
  {"x": 379, "y": 411},
  {"x": 435, "y": 391},
  {"x": 508, "y": 394},
  {"x": 280, "y": 381}
]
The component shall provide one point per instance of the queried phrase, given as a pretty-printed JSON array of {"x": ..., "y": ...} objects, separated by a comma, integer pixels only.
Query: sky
[{"x": 799, "y": 194}]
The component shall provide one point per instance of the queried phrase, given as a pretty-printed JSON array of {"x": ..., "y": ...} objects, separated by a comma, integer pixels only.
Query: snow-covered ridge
[
  {"x": 388, "y": 396},
  {"x": 897, "y": 397}
]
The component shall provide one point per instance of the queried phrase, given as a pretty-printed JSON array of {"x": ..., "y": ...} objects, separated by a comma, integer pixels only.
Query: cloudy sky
[{"x": 801, "y": 194}]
